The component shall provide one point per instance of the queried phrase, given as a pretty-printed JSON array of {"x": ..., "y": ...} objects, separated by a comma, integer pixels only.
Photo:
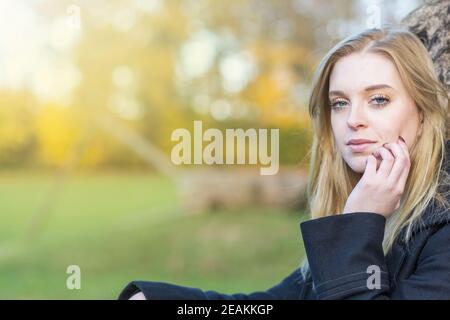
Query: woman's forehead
[{"x": 359, "y": 71}]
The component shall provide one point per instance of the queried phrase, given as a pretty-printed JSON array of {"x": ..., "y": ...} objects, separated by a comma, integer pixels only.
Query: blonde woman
[{"x": 378, "y": 186}]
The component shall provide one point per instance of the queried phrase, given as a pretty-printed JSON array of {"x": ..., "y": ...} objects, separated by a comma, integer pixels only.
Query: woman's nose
[{"x": 356, "y": 117}]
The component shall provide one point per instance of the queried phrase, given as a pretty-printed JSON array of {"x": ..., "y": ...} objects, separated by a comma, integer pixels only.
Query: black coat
[{"x": 340, "y": 249}]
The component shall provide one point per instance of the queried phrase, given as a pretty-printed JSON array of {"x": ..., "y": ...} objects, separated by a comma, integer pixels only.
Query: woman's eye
[
  {"x": 337, "y": 104},
  {"x": 380, "y": 100}
]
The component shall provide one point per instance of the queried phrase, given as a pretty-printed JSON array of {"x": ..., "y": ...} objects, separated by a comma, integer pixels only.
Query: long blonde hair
[{"x": 331, "y": 180}]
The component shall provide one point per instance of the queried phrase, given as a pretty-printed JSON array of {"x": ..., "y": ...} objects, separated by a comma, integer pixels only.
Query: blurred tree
[
  {"x": 159, "y": 65},
  {"x": 16, "y": 134},
  {"x": 151, "y": 72},
  {"x": 56, "y": 132}
]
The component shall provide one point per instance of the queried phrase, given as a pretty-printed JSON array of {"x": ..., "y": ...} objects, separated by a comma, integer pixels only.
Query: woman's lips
[{"x": 360, "y": 147}]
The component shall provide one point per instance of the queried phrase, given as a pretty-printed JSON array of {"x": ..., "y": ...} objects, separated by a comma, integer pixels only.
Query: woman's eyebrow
[
  {"x": 378, "y": 86},
  {"x": 369, "y": 88}
]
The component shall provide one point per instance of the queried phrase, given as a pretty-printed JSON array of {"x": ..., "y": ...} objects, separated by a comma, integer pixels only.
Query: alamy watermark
[
  {"x": 73, "y": 18},
  {"x": 374, "y": 280},
  {"x": 374, "y": 16},
  {"x": 74, "y": 280},
  {"x": 190, "y": 149}
]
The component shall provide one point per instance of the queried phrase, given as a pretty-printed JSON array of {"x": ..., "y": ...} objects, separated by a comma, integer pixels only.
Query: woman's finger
[
  {"x": 405, "y": 149},
  {"x": 404, "y": 176},
  {"x": 399, "y": 163},
  {"x": 371, "y": 166},
  {"x": 386, "y": 163}
]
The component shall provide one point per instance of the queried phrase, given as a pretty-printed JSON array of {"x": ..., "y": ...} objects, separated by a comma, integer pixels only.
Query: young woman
[{"x": 378, "y": 186}]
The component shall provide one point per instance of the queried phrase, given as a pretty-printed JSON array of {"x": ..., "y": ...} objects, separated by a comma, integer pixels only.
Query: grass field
[{"x": 122, "y": 227}]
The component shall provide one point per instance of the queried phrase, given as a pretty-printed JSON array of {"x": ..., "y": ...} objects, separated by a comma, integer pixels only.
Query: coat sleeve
[
  {"x": 289, "y": 289},
  {"x": 342, "y": 251}
]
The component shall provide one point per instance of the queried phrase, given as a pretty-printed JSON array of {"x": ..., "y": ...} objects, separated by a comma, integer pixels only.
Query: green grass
[{"x": 123, "y": 227}]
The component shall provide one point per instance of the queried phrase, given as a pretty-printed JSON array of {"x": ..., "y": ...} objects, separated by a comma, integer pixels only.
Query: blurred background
[{"x": 90, "y": 92}]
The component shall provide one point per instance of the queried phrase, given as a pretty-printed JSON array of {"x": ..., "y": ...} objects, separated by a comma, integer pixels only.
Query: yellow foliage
[
  {"x": 12, "y": 133},
  {"x": 14, "y": 129},
  {"x": 57, "y": 132}
]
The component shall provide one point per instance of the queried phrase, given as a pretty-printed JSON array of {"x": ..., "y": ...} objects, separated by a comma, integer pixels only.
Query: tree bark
[{"x": 431, "y": 23}]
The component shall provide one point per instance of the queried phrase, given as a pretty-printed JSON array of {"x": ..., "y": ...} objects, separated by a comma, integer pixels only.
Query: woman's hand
[{"x": 380, "y": 191}]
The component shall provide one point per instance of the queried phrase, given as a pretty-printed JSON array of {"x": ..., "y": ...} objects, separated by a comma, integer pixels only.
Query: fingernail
[{"x": 401, "y": 138}]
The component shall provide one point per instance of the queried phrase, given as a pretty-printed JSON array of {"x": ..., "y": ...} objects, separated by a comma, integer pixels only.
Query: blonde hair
[{"x": 331, "y": 180}]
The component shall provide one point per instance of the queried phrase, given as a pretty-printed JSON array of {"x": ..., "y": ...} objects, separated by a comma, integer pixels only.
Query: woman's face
[{"x": 368, "y": 101}]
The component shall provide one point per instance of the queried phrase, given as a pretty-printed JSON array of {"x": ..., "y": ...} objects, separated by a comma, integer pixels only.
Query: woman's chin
[{"x": 358, "y": 165}]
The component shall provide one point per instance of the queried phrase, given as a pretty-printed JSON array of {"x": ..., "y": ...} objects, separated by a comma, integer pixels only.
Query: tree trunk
[{"x": 431, "y": 23}]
